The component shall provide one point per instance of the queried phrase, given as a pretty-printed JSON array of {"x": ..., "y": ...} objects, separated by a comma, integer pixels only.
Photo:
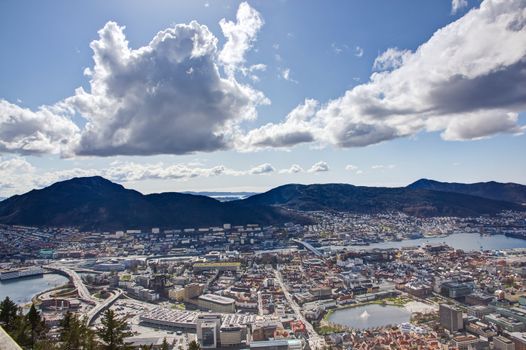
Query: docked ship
[{"x": 13, "y": 274}]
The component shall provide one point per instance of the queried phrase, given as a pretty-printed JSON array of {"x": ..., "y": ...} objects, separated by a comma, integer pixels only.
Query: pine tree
[
  {"x": 37, "y": 326},
  {"x": 89, "y": 342},
  {"x": 65, "y": 326},
  {"x": 113, "y": 331},
  {"x": 75, "y": 334},
  {"x": 164, "y": 345},
  {"x": 8, "y": 314},
  {"x": 20, "y": 330},
  {"x": 194, "y": 345}
]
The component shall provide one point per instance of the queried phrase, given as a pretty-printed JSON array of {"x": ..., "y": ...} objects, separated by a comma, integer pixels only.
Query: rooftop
[{"x": 217, "y": 299}]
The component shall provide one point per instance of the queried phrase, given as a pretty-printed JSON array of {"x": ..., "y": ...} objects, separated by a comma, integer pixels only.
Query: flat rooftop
[{"x": 218, "y": 299}]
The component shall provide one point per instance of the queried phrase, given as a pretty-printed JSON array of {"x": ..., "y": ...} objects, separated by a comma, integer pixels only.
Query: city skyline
[{"x": 238, "y": 96}]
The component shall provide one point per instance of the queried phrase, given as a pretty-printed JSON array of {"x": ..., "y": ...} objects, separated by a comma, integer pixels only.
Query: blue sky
[{"x": 363, "y": 92}]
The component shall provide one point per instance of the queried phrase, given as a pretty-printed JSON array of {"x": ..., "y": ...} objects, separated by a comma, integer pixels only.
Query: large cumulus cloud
[
  {"x": 468, "y": 81},
  {"x": 47, "y": 130},
  {"x": 167, "y": 97}
]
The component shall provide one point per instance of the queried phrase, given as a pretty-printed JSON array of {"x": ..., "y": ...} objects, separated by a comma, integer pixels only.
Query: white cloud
[
  {"x": 125, "y": 172},
  {"x": 17, "y": 175},
  {"x": 353, "y": 169},
  {"x": 167, "y": 97},
  {"x": 457, "y": 5},
  {"x": 252, "y": 70},
  {"x": 455, "y": 83},
  {"x": 297, "y": 128},
  {"x": 15, "y": 165},
  {"x": 35, "y": 132},
  {"x": 338, "y": 49},
  {"x": 382, "y": 166},
  {"x": 285, "y": 74},
  {"x": 14, "y": 175},
  {"x": 321, "y": 166},
  {"x": 358, "y": 51},
  {"x": 240, "y": 35},
  {"x": 262, "y": 169},
  {"x": 390, "y": 59},
  {"x": 294, "y": 169}
]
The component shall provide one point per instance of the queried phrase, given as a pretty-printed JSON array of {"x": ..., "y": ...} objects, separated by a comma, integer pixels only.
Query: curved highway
[
  {"x": 84, "y": 293},
  {"x": 93, "y": 313}
]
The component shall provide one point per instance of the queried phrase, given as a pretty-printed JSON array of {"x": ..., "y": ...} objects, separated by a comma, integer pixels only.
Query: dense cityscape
[{"x": 327, "y": 285}]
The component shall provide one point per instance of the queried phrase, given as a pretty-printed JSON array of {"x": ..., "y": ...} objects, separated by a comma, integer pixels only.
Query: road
[
  {"x": 93, "y": 313},
  {"x": 308, "y": 246},
  {"x": 316, "y": 341},
  {"x": 85, "y": 295},
  {"x": 260, "y": 304},
  {"x": 83, "y": 291}
]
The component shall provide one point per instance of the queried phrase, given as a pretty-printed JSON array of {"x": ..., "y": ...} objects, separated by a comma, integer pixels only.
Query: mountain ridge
[
  {"x": 361, "y": 199},
  {"x": 509, "y": 191},
  {"x": 97, "y": 203}
]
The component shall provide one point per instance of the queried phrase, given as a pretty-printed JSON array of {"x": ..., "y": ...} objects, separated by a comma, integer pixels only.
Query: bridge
[
  {"x": 93, "y": 313},
  {"x": 309, "y": 247},
  {"x": 84, "y": 293}
]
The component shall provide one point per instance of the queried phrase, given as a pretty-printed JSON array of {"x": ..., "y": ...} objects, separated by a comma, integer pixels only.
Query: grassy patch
[
  {"x": 178, "y": 306},
  {"x": 329, "y": 329},
  {"x": 328, "y": 314},
  {"x": 125, "y": 278}
]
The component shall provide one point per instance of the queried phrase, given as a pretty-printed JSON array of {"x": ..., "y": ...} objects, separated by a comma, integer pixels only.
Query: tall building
[
  {"x": 207, "y": 329},
  {"x": 450, "y": 318}
]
